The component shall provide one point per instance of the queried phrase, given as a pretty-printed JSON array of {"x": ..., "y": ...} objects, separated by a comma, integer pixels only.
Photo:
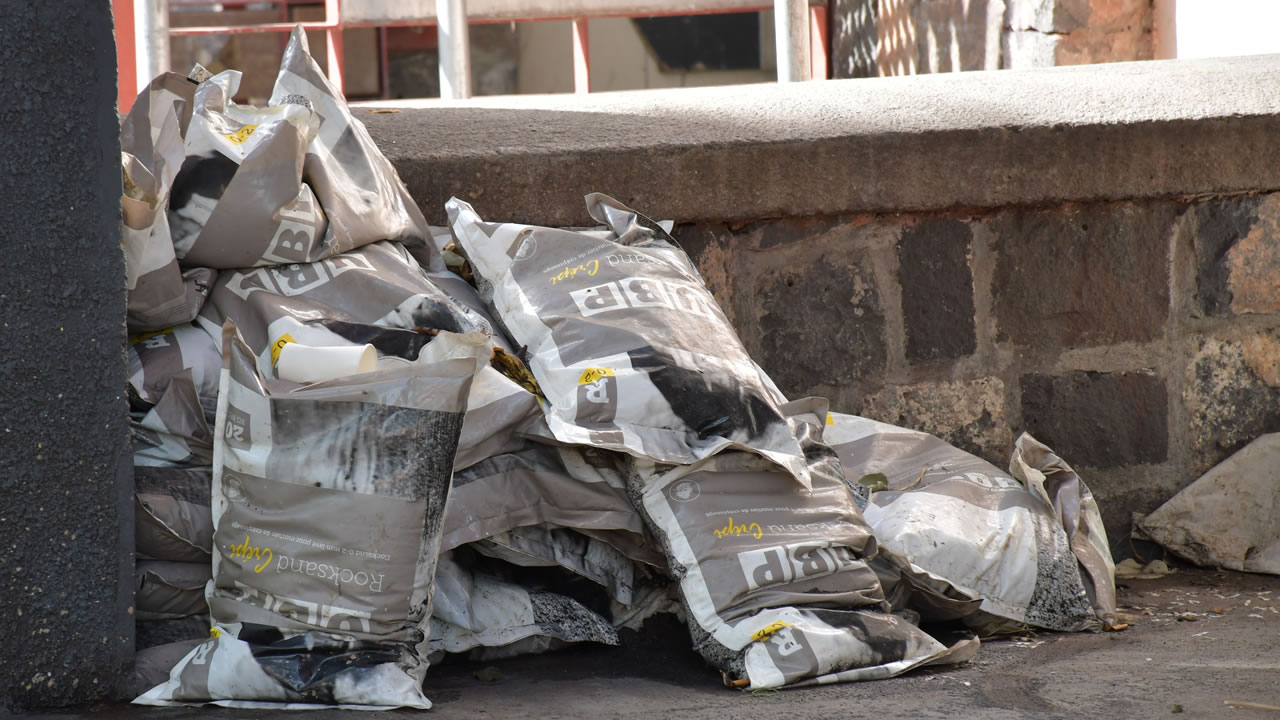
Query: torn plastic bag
[
  {"x": 627, "y": 344},
  {"x": 295, "y": 182},
  {"x": 550, "y": 546},
  {"x": 156, "y": 357},
  {"x": 1076, "y": 511},
  {"x": 175, "y": 432},
  {"x": 965, "y": 522},
  {"x": 774, "y": 577},
  {"x": 173, "y": 517},
  {"x": 531, "y": 486},
  {"x": 240, "y": 200},
  {"x": 1226, "y": 518},
  {"x": 151, "y": 144},
  {"x": 489, "y": 618},
  {"x": 169, "y": 590},
  {"x": 328, "y": 504},
  {"x": 359, "y": 189},
  {"x": 376, "y": 294},
  {"x": 152, "y": 664}
]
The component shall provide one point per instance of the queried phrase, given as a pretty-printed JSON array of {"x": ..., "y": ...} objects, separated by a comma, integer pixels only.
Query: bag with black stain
[
  {"x": 627, "y": 344},
  {"x": 328, "y": 507},
  {"x": 774, "y": 577}
]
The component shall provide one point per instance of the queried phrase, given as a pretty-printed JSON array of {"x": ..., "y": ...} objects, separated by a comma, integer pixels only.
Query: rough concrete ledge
[{"x": 1119, "y": 131}]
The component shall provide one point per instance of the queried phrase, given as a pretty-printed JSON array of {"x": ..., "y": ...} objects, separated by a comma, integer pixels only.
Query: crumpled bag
[
  {"x": 628, "y": 345},
  {"x": 160, "y": 293},
  {"x": 173, "y": 517},
  {"x": 328, "y": 505},
  {"x": 961, "y": 521},
  {"x": 175, "y": 432},
  {"x": 295, "y": 182},
  {"x": 156, "y": 357},
  {"x": 763, "y": 564},
  {"x": 488, "y": 618}
]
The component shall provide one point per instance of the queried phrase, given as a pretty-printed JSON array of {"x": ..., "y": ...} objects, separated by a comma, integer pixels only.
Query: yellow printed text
[
  {"x": 592, "y": 375},
  {"x": 277, "y": 345},
  {"x": 238, "y": 137},
  {"x": 768, "y": 630},
  {"x": 735, "y": 530},
  {"x": 590, "y": 268},
  {"x": 248, "y": 551}
]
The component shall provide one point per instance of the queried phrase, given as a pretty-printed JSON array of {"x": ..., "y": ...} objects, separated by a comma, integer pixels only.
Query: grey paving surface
[
  {"x": 1116, "y": 131},
  {"x": 1161, "y": 664}
]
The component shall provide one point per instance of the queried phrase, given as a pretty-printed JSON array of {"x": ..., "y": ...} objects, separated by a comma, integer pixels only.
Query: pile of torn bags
[{"x": 353, "y": 462}]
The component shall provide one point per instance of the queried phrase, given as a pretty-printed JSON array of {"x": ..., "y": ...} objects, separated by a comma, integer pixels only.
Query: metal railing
[{"x": 801, "y": 32}]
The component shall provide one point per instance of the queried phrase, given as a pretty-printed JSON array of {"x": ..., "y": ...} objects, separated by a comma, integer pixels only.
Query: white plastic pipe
[
  {"x": 455, "y": 49},
  {"x": 151, "y": 33},
  {"x": 791, "y": 39}
]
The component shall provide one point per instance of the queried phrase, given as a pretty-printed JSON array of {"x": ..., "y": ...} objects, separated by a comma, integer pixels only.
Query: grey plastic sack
[
  {"x": 169, "y": 590},
  {"x": 376, "y": 294},
  {"x": 173, "y": 520},
  {"x": 550, "y": 546},
  {"x": 531, "y": 486},
  {"x": 175, "y": 433},
  {"x": 156, "y": 357},
  {"x": 963, "y": 521},
  {"x": 160, "y": 293},
  {"x": 627, "y": 344},
  {"x": 775, "y": 578},
  {"x": 328, "y": 504},
  {"x": 488, "y": 618},
  {"x": 295, "y": 182}
]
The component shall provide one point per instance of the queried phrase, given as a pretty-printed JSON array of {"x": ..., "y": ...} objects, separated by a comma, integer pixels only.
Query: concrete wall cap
[{"x": 929, "y": 142}]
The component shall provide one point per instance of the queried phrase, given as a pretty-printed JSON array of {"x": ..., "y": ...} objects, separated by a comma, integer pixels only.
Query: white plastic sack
[
  {"x": 627, "y": 344},
  {"x": 763, "y": 562},
  {"x": 151, "y": 142},
  {"x": 173, "y": 520},
  {"x": 488, "y": 618},
  {"x": 328, "y": 504},
  {"x": 156, "y": 357},
  {"x": 963, "y": 521}
]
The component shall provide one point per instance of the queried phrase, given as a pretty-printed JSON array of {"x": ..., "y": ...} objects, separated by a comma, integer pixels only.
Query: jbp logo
[
  {"x": 787, "y": 563},
  {"x": 644, "y": 293}
]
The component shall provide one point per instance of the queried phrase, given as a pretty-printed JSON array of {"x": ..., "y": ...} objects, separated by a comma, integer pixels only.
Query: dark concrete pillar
[{"x": 66, "y": 519}]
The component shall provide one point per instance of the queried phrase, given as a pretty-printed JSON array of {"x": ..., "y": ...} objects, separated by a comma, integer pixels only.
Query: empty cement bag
[
  {"x": 328, "y": 505},
  {"x": 775, "y": 578},
  {"x": 358, "y": 188},
  {"x": 531, "y": 486},
  {"x": 169, "y": 590},
  {"x": 152, "y": 664},
  {"x": 173, "y": 520},
  {"x": 962, "y": 521},
  {"x": 550, "y": 546},
  {"x": 156, "y": 357},
  {"x": 151, "y": 633},
  {"x": 488, "y": 618},
  {"x": 627, "y": 344},
  {"x": 379, "y": 295},
  {"x": 1227, "y": 517},
  {"x": 295, "y": 182},
  {"x": 160, "y": 293},
  {"x": 175, "y": 433}
]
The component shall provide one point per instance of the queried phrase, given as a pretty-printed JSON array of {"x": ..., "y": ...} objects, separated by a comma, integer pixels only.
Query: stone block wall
[{"x": 1141, "y": 340}]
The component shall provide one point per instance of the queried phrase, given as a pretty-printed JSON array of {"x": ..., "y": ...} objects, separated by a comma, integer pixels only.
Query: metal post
[
  {"x": 151, "y": 23},
  {"x": 818, "y": 37},
  {"x": 333, "y": 42},
  {"x": 455, "y": 50},
  {"x": 581, "y": 56},
  {"x": 791, "y": 38}
]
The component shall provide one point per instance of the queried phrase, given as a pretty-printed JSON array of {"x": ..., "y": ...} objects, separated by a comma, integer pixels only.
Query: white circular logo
[
  {"x": 528, "y": 245},
  {"x": 684, "y": 491},
  {"x": 232, "y": 488}
]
